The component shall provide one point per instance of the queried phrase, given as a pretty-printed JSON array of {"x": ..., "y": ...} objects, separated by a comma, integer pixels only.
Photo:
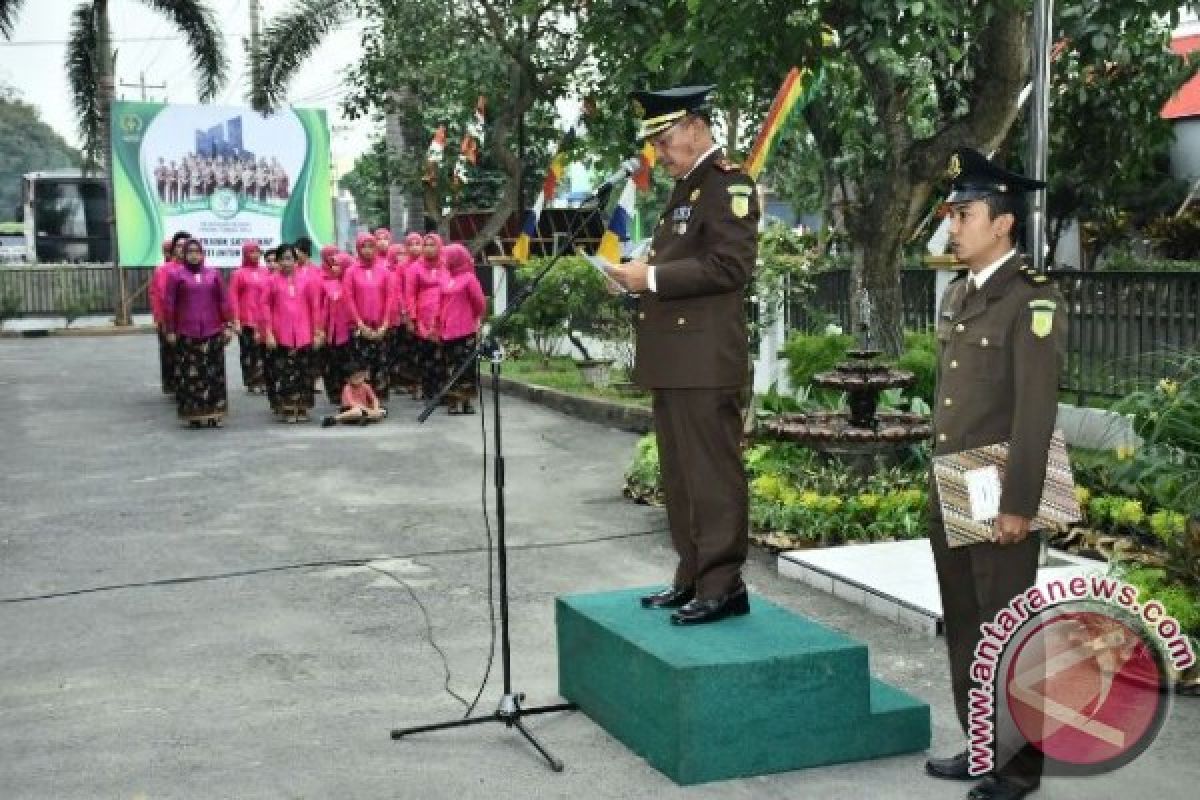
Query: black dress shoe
[
  {"x": 954, "y": 768},
  {"x": 995, "y": 787},
  {"x": 698, "y": 612},
  {"x": 671, "y": 597}
]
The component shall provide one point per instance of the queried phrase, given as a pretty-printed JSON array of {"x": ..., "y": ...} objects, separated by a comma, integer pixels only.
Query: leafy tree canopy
[{"x": 27, "y": 144}]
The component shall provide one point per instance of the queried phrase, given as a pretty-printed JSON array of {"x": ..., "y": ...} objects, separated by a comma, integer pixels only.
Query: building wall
[{"x": 1185, "y": 150}]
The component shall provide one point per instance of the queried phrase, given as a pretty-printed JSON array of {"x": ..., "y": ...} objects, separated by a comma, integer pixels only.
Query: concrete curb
[
  {"x": 38, "y": 333},
  {"x": 621, "y": 416}
]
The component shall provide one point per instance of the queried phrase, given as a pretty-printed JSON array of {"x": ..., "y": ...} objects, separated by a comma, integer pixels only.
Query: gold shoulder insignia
[{"x": 1033, "y": 276}]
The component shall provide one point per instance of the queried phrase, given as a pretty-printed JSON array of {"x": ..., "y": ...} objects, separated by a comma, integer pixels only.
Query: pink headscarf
[
  {"x": 458, "y": 259},
  {"x": 249, "y": 246},
  {"x": 343, "y": 261},
  {"x": 327, "y": 254},
  {"x": 395, "y": 254},
  {"x": 383, "y": 233},
  {"x": 203, "y": 255},
  {"x": 436, "y": 261},
  {"x": 359, "y": 241}
]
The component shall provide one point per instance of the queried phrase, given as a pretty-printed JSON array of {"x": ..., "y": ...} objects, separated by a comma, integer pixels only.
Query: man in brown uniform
[
  {"x": 693, "y": 352},
  {"x": 1000, "y": 342}
]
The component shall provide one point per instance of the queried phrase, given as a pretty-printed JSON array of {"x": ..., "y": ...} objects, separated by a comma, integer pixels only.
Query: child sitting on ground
[{"x": 360, "y": 406}]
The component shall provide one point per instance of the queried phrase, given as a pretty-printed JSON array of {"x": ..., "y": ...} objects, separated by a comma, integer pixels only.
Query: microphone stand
[{"x": 510, "y": 711}]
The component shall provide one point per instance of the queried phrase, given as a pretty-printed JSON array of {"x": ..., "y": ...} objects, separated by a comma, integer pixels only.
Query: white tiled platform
[{"x": 897, "y": 580}]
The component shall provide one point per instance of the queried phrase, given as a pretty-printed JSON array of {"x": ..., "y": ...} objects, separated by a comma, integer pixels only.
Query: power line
[{"x": 123, "y": 40}]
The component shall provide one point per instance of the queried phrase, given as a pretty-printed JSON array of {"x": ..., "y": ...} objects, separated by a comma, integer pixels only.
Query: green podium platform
[{"x": 767, "y": 692}]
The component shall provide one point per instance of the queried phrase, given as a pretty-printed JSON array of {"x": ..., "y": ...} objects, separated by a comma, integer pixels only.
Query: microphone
[{"x": 623, "y": 171}]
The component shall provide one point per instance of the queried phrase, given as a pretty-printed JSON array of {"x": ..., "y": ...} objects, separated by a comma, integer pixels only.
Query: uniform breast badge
[{"x": 679, "y": 219}]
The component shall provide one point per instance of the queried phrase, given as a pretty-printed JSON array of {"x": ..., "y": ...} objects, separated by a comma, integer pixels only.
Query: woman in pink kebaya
[
  {"x": 339, "y": 326},
  {"x": 425, "y": 291},
  {"x": 292, "y": 325},
  {"x": 196, "y": 318},
  {"x": 172, "y": 260},
  {"x": 405, "y": 372},
  {"x": 366, "y": 284},
  {"x": 399, "y": 342},
  {"x": 462, "y": 310},
  {"x": 246, "y": 289},
  {"x": 383, "y": 240}
]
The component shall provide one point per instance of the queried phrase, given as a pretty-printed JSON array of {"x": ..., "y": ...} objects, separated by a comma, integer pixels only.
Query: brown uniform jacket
[
  {"x": 691, "y": 332},
  {"x": 998, "y": 371}
]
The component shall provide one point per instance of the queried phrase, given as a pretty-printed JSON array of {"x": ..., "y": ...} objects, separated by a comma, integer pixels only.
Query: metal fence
[
  {"x": 1125, "y": 329},
  {"x": 75, "y": 290},
  {"x": 829, "y": 302}
]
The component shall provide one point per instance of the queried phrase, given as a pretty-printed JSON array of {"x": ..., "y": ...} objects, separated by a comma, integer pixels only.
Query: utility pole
[
  {"x": 1039, "y": 127},
  {"x": 255, "y": 20},
  {"x": 141, "y": 84}
]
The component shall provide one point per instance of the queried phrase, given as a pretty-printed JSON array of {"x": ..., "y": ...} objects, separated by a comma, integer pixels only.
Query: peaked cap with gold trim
[
  {"x": 973, "y": 176},
  {"x": 662, "y": 109}
]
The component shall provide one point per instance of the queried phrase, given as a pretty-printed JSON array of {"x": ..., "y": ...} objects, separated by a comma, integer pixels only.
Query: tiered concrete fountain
[{"x": 862, "y": 436}]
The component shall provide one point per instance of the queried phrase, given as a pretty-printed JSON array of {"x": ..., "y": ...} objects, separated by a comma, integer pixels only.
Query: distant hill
[{"x": 26, "y": 144}]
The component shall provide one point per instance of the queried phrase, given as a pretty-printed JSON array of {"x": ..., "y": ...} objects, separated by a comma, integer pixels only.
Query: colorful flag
[
  {"x": 641, "y": 178},
  {"x": 558, "y": 165},
  {"x": 433, "y": 157},
  {"x": 794, "y": 93},
  {"x": 619, "y": 225},
  {"x": 472, "y": 140}
]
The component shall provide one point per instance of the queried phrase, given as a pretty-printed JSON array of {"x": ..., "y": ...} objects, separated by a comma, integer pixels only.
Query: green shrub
[
  {"x": 572, "y": 297},
  {"x": 1176, "y": 237},
  {"x": 10, "y": 303},
  {"x": 808, "y": 355},
  {"x": 1177, "y": 600},
  {"x": 920, "y": 358},
  {"x": 643, "y": 479}
]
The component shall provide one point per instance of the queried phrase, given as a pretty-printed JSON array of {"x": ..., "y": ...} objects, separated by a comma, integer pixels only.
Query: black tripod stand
[{"x": 510, "y": 710}]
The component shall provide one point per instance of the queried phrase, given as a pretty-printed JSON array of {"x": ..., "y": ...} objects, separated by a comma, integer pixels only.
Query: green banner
[{"x": 223, "y": 174}]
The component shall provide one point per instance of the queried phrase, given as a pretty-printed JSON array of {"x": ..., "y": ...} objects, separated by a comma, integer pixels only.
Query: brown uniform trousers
[
  {"x": 997, "y": 382},
  {"x": 693, "y": 352}
]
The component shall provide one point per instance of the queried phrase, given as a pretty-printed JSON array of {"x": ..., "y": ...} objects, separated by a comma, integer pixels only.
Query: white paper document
[
  {"x": 983, "y": 489},
  {"x": 604, "y": 266}
]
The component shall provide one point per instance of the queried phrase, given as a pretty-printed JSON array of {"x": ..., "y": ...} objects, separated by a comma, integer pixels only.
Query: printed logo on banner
[{"x": 224, "y": 204}]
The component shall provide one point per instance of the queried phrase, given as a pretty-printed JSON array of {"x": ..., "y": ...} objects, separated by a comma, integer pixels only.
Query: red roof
[{"x": 1186, "y": 102}]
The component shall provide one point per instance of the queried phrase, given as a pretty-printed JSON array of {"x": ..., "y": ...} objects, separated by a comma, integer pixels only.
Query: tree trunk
[
  {"x": 880, "y": 236},
  {"x": 105, "y": 85},
  {"x": 512, "y": 163},
  {"x": 404, "y": 202}
]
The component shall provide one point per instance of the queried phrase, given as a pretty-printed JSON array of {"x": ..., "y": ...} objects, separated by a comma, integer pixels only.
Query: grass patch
[{"x": 561, "y": 373}]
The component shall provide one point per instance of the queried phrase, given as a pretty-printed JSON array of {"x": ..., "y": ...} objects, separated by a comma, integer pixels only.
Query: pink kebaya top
[
  {"x": 366, "y": 292},
  {"x": 335, "y": 311},
  {"x": 194, "y": 302},
  {"x": 158, "y": 288},
  {"x": 361, "y": 395},
  {"x": 292, "y": 309},
  {"x": 246, "y": 289},
  {"x": 398, "y": 310},
  {"x": 427, "y": 297},
  {"x": 463, "y": 302}
]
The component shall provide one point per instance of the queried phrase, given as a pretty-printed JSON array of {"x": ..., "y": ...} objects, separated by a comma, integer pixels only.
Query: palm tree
[
  {"x": 90, "y": 74},
  {"x": 288, "y": 42}
]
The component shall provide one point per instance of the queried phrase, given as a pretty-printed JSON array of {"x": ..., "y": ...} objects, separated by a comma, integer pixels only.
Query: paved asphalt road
[{"x": 284, "y": 683}]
